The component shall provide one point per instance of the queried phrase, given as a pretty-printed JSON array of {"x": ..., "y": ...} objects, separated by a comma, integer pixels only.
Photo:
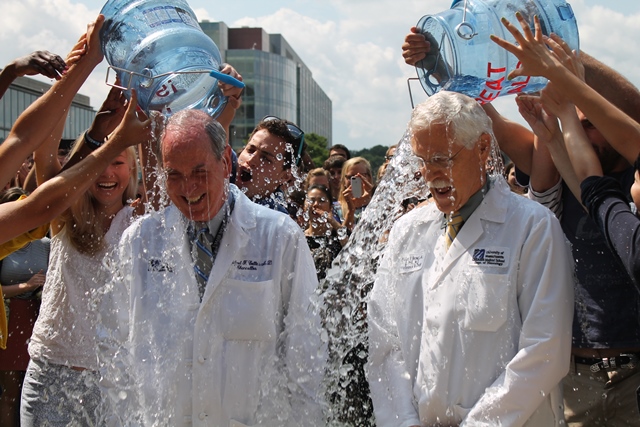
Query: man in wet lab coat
[
  {"x": 477, "y": 333},
  {"x": 241, "y": 350}
]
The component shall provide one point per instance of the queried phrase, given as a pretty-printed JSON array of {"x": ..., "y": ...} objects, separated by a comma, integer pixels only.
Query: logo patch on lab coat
[
  {"x": 159, "y": 266},
  {"x": 491, "y": 256},
  {"x": 409, "y": 263}
]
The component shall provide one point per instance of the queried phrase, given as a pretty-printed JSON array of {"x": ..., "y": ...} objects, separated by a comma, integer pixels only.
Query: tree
[
  {"x": 317, "y": 148},
  {"x": 375, "y": 155}
]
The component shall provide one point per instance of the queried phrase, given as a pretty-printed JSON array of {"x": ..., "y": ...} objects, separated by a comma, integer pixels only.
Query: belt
[{"x": 625, "y": 360}]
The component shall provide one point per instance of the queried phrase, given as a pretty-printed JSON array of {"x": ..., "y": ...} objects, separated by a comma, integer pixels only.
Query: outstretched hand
[
  {"x": 544, "y": 125},
  {"x": 110, "y": 114},
  {"x": 233, "y": 93},
  {"x": 40, "y": 62},
  {"x": 135, "y": 127},
  {"x": 531, "y": 49}
]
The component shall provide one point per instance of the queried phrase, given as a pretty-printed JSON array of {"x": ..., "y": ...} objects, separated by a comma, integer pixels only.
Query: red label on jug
[{"x": 493, "y": 86}]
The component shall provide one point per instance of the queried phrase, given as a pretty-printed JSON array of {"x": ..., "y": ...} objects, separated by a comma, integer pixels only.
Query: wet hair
[
  {"x": 11, "y": 194},
  {"x": 187, "y": 122},
  {"x": 333, "y": 162},
  {"x": 324, "y": 189},
  {"x": 81, "y": 219},
  {"x": 341, "y": 147},
  {"x": 292, "y": 145},
  {"x": 347, "y": 165},
  {"x": 464, "y": 117}
]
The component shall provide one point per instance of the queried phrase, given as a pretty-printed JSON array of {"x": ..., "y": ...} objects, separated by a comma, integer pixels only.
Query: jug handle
[
  {"x": 226, "y": 78},
  {"x": 470, "y": 31}
]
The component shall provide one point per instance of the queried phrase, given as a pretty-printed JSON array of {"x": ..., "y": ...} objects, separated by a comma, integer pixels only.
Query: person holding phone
[{"x": 356, "y": 189}]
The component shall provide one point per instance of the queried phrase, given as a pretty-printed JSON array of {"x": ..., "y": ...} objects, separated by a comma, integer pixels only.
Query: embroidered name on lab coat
[
  {"x": 490, "y": 256},
  {"x": 409, "y": 263},
  {"x": 248, "y": 264}
]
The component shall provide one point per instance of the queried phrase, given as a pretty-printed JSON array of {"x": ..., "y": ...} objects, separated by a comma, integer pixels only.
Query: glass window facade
[
  {"x": 277, "y": 83},
  {"x": 24, "y": 91}
]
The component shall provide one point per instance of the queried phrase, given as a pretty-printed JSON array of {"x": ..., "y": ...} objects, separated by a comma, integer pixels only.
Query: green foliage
[
  {"x": 317, "y": 148},
  {"x": 375, "y": 155}
]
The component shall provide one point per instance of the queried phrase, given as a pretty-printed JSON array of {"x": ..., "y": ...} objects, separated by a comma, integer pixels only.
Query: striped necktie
[
  {"x": 202, "y": 256},
  {"x": 454, "y": 224}
]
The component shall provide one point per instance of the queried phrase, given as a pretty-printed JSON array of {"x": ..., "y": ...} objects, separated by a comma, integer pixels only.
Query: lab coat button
[
  {"x": 201, "y": 359},
  {"x": 202, "y": 416}
]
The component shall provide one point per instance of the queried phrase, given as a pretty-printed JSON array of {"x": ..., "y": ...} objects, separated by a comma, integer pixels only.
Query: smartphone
[{"x": 356, "y": 186}]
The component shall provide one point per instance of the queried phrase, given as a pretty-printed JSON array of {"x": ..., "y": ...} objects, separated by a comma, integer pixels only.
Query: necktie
[
  {"x": 205, "y": 247},
  {"x": 454, "y": 224},
  {"x": 202, "y": 256}
]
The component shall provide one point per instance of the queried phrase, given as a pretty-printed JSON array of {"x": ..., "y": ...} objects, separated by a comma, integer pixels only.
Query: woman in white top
[{"x": 60, "y": 386}]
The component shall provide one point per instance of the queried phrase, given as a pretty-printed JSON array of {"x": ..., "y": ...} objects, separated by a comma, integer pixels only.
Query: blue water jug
[
  {"x": 469, "y": 62},
  {"x": 158, "y": 48}
]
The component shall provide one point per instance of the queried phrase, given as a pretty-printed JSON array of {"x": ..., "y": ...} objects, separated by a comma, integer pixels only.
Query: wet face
[
  {"x": 261, "y": 165},
  {"x": 112, "y": 183},
  {"x": 635, "y": 190},
  {"x": 317, "y": 203},
  {"x": 196, "y": 179},
  {"x": 451, "y": 182},
  {"x": 610, "y": 159}
]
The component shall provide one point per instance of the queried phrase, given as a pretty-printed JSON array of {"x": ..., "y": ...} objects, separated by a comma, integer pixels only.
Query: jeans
[{"x": 57, "y": 395}]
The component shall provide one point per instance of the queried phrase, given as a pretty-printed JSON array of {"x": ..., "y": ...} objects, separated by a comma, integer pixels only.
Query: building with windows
[
  {"x": 24, "y": 90},
  {"x": 278, "y": 83}
]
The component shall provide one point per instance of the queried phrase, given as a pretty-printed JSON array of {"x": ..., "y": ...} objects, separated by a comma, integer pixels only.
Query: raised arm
[
  {"x": 620, "y": 130},
  {"x": 234, "y": 99},
  {"x": 54, "y": 196},
  {"x": 40, "y": 119},
  {"x": 40, "y": 62}
]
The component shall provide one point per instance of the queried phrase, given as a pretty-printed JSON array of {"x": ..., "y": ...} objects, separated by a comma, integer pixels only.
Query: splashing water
[
  {"x": 351, "y": 278},
  {"x": 349, "y": 281}
]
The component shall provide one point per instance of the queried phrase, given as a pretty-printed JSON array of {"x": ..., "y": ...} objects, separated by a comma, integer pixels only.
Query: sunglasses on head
[{"x": 294, "y": 131}]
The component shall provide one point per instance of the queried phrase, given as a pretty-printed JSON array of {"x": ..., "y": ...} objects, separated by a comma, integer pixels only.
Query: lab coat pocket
[
  {"x": 483, "y": 302},
  {"x": 248, "y": 310}
]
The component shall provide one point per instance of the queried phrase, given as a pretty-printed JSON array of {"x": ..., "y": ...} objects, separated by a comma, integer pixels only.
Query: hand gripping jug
[
  {"x": 158, "y": 48},
  {"x": 469, "y": 62}
]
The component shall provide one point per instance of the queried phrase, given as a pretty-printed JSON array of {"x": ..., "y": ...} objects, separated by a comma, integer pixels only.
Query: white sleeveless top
[{"x": 65, "y": 332}]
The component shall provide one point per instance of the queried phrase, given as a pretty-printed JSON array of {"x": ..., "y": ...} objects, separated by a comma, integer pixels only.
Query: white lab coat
[
  {"x": 479, "y": 335},
  {"x": 249, "y": 354}
]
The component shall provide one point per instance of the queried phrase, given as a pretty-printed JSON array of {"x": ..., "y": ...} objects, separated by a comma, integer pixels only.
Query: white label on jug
[
  {"x": 161, "y": 15},
  {"x": 173, "y": 14},
  {"x": 187, "y": 18}
]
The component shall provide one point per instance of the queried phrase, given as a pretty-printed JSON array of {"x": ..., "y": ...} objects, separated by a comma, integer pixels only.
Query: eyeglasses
[
  {"x": 296, "y": 133},
  {"x": 439, "y": 161}
]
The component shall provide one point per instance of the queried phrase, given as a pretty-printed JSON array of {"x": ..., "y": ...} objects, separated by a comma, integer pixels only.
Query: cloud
[{"x": 352, "y": 48}]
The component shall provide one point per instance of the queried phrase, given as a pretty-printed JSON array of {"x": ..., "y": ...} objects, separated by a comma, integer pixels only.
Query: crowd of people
[{"x": 153, "y": 276}]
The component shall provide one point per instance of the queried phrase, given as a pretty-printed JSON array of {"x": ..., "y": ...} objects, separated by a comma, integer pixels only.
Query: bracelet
[{"x": 92, "y": 142}]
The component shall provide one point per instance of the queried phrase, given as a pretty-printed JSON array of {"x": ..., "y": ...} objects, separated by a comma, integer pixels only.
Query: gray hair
[
  {"x": 186, "y": 121},
  {"x": 463, "y": 116}
]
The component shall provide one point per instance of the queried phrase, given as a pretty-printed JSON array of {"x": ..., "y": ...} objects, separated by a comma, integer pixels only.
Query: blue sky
[{"x": 351, "y": 46}]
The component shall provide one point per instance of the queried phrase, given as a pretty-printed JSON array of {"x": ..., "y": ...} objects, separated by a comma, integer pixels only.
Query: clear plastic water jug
[
  {"x": 469, "y": 62},
  {"x": 158, "y": 48}
]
